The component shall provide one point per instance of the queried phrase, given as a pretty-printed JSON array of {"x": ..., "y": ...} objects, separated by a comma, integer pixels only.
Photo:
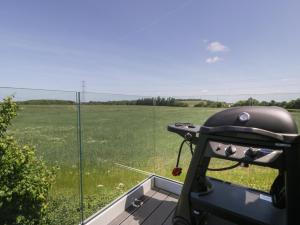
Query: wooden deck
[{"x": 155, "y": 207}]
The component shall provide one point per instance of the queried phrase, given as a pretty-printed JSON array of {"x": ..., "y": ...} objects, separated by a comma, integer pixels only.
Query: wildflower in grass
[
  {"x": 103, "y": 141},
  {"x": 120, "y": 186}
]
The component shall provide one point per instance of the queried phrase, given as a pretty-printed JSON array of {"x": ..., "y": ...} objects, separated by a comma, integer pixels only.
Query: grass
[{"x": 135, "y": 136}]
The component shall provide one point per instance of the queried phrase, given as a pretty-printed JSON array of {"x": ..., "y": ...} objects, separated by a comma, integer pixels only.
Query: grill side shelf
[{"x": 243, "y": 206}]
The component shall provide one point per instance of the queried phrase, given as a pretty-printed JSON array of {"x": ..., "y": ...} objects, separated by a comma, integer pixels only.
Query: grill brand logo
[{"x": 244, "y": 117}]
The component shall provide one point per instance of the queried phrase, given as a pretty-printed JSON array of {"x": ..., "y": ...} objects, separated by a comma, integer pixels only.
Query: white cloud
[
  {"x": 214, "y": 59},
  {"x": 217, "y": 47}
]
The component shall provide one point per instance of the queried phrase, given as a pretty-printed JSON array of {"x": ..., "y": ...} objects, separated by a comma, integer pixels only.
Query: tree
[
  {"x": 24, "y": 178},
  {"x": 249, "y": 102}
]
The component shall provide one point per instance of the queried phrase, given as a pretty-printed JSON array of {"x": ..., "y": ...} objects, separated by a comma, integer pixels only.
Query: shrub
[
  {"x": 211, "y": 104},
  {"x": 24, "y": 178}
]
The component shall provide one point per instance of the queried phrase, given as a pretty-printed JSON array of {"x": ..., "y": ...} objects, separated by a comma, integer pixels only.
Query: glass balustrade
[{"x": 102, "y": 145}]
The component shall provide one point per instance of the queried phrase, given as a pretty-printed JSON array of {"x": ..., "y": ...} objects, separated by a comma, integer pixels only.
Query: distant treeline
[
  {"x": 119, "y": 102},
  {"x": 211, "y": 104},
  {"x": 160, "y": 101},
  {"x": 292, "y": 104},
  {"x": 46, "y": 102}
]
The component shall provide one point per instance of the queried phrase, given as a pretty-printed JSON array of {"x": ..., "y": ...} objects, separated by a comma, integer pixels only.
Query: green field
[{"x": 134, "y": 136}]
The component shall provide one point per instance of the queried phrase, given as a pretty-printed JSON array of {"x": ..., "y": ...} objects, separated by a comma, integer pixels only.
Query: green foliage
[
  {"x": 293, "y": 104},
  {"x": 24, "y": 179},
  {"x": 7, "y": 112},
  {"x": 249, "y": 102},
  {"x": 46, "y": 102},
  {"x": 121, "y": 102},
  {"x": 64, "y": 210},
  {"x": 211, "y": 104},
  {"x": 169, "y": 102},
  {"x": 159, "y": 101}
]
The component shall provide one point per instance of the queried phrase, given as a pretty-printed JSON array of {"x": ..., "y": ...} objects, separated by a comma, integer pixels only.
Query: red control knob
[{"x": 176, "y": 171}]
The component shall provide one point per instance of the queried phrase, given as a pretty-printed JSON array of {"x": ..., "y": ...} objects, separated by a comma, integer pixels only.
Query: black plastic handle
[{"x": 238, "y": 129}]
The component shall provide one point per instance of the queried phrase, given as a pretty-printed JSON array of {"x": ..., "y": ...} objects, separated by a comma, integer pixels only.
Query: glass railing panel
[
  {"x": 124, "y": 141},
  {"x": 47, "y": 120},
  {"x": 118, "y": 146}
]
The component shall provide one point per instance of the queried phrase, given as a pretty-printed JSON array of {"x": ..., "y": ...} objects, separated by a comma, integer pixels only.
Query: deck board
[
  {"x": 157, "y": 209},
  {"x": 168, "y": 221},
  {"x": 160, "y": 215},
  {"x": 131, "y": 209},
  {"x": 146, "y": 210}
]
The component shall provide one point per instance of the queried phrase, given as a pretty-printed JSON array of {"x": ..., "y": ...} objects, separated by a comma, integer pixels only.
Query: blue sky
[{"x": 154, "y": 47}]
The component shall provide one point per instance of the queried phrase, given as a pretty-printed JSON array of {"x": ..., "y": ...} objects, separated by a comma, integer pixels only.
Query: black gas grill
[{"x": 263, "y": 136}]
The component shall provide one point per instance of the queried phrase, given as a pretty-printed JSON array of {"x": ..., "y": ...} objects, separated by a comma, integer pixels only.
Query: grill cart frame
[{"x": 272, "y": 134}]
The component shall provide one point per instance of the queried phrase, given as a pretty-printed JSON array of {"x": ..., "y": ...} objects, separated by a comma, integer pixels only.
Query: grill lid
[{"x": 270, "y": 118}]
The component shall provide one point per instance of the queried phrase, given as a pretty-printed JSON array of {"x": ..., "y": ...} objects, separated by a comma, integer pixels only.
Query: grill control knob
[
  {"x": 230, "y": 150},
  {"x": 251, "y": 153}
]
